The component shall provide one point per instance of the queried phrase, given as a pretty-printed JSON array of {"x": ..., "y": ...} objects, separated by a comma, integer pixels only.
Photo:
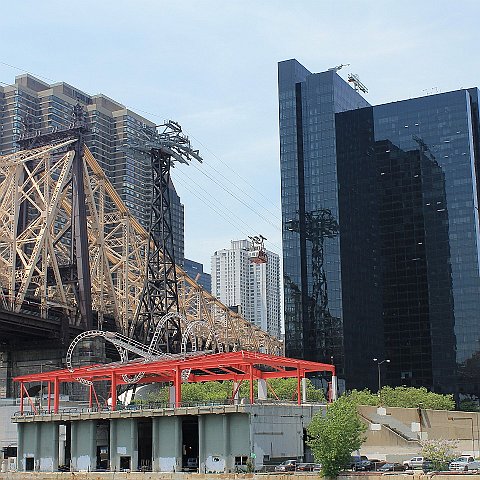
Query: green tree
[
  {"x": 335, "y": 435},
  {"x": 407, "y": 397},
  {"x": 469, "y": 405},
  {"x": 440, "y": 452},
  {"x": 363, "y": 397},
  {"x": 285, "y": 389},
  {"x": 206, "y": 392},
  {"x": 411, "y": 397}
]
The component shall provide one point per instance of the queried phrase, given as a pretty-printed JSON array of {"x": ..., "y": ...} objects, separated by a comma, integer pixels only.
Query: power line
[
  {"x": 210, "y": 205},
  {"x": 193, "y": 137},
  {"x": 272, "y": 213},
  {"x": 239, "y": 199},
  {"x": 26, "y": 71},
  {"x": 229, "y": 167},
  {"x": 215, "y": 180},
  {"x": 207, "y": 200}
]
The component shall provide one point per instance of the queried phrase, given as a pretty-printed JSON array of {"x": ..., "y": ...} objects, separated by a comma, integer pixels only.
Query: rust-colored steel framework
[
  {"x": 237, "y": 366},
  {"x": 35, "y": 260}
]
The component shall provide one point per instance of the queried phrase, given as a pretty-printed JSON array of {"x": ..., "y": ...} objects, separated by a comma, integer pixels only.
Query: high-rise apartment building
[
  {"x": 389, "y": 193},
  {"x": 252, "y": 289},
  {"x": 32, "y": 103}
]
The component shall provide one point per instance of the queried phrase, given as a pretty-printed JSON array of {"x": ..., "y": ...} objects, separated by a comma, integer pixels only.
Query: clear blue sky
[{"x": 212, "y": 66}]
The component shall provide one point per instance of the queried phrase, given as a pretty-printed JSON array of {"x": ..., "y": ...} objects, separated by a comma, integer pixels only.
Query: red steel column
[
  {"x": 252, "y": 395},
  {"x": 299, "y": 387},
  {"x": 49, "y": 393},
  {"x": 114, "y": 391},
  {"x": 56, "y": 395},
  {"x": 21, "y": 398},
  {"x": 178, "y": 387}
]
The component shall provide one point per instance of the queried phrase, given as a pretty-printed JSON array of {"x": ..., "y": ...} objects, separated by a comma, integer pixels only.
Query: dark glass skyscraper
[{"x": 398, "y": 276}]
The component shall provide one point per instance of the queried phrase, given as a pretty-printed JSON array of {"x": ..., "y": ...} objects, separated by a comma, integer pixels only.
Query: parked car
[
  {"x": 317, "y": 467},
  {"x": 192, "y": 464},
  {"x": 415, "y": 462},
  {"x": 427, "y": 466},
  {"x": 464, "y": 464},
  {"x": 305, "y": 467},
  {"x": 360, "y": 463},
  {"x": 286, "y": 466},
  {"x": 391, "y": 467}
]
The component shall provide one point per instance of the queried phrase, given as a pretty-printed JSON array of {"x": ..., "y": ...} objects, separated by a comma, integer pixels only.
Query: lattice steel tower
[{"x": 164, "y": 145}]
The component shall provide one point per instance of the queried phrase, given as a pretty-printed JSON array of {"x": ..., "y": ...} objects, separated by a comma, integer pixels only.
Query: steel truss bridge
[{"x": 40, "y": 282}]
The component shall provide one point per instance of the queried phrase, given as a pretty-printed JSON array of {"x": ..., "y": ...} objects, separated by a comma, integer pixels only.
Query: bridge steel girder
[{"x": 34, "y": 265}]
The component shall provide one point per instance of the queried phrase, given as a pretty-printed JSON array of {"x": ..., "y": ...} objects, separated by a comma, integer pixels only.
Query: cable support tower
[{"x": 164, "y": 145}]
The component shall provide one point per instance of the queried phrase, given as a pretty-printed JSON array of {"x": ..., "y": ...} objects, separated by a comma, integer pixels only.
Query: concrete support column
[
  {"x": 134, "y": 444},
  {"x": 229, "y": 461},
  {"x": 123, "y": 443},
  {"x": 304, "y": 390},
  {"x": 167, "y": 444},
  {"x": 262, "y": 389},
  {"x": 38, "y": 446},
  {"x": 178, "y": 444},
  {"x": 38, "y": 440},
  {"x": 62, "y": 437},
  {"x": 201, "y": 444},
  {"x": 155, "y": 443},
  {"x": 20, "y": 447},
  {"x": 113, "y": 445},
  {"x": 334, "y": 388},
  {"x": 49, "y": 438},
  {"x": 84, "y": 445}
]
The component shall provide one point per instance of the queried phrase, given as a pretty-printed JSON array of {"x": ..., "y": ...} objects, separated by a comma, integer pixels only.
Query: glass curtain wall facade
[
  {"x": 403, "y": 268},
  {"x": 314, "y": 317}
]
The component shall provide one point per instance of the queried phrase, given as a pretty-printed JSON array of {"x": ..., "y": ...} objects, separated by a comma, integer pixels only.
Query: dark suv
[{"x": 360, "y": 463}]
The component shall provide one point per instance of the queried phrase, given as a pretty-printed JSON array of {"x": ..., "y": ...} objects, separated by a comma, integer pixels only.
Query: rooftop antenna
[
  {"x": 338, "y": 67},
  {"x": 357, "y": 84}
]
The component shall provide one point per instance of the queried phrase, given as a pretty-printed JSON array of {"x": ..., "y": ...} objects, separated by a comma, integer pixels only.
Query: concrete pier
[
  {"x": 207, "y": 439},
  {"x": 38, "y": 447},
  {"x": 84, "y": 445}
]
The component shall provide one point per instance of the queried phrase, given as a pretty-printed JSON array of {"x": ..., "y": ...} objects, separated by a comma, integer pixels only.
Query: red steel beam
[{"x": 236, "y": 366}]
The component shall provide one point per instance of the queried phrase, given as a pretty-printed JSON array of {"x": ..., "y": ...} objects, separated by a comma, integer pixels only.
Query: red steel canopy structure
[{"x": 237, "y": 366}]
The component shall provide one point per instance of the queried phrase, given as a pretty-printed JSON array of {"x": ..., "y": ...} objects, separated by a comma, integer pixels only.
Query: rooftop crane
[
  {"x": 338, "y": 67},
  {"x": 357, "y": 84}
]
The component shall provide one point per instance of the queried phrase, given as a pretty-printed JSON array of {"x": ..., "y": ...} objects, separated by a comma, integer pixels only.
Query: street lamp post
[{"x": 386, "y": 360}]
